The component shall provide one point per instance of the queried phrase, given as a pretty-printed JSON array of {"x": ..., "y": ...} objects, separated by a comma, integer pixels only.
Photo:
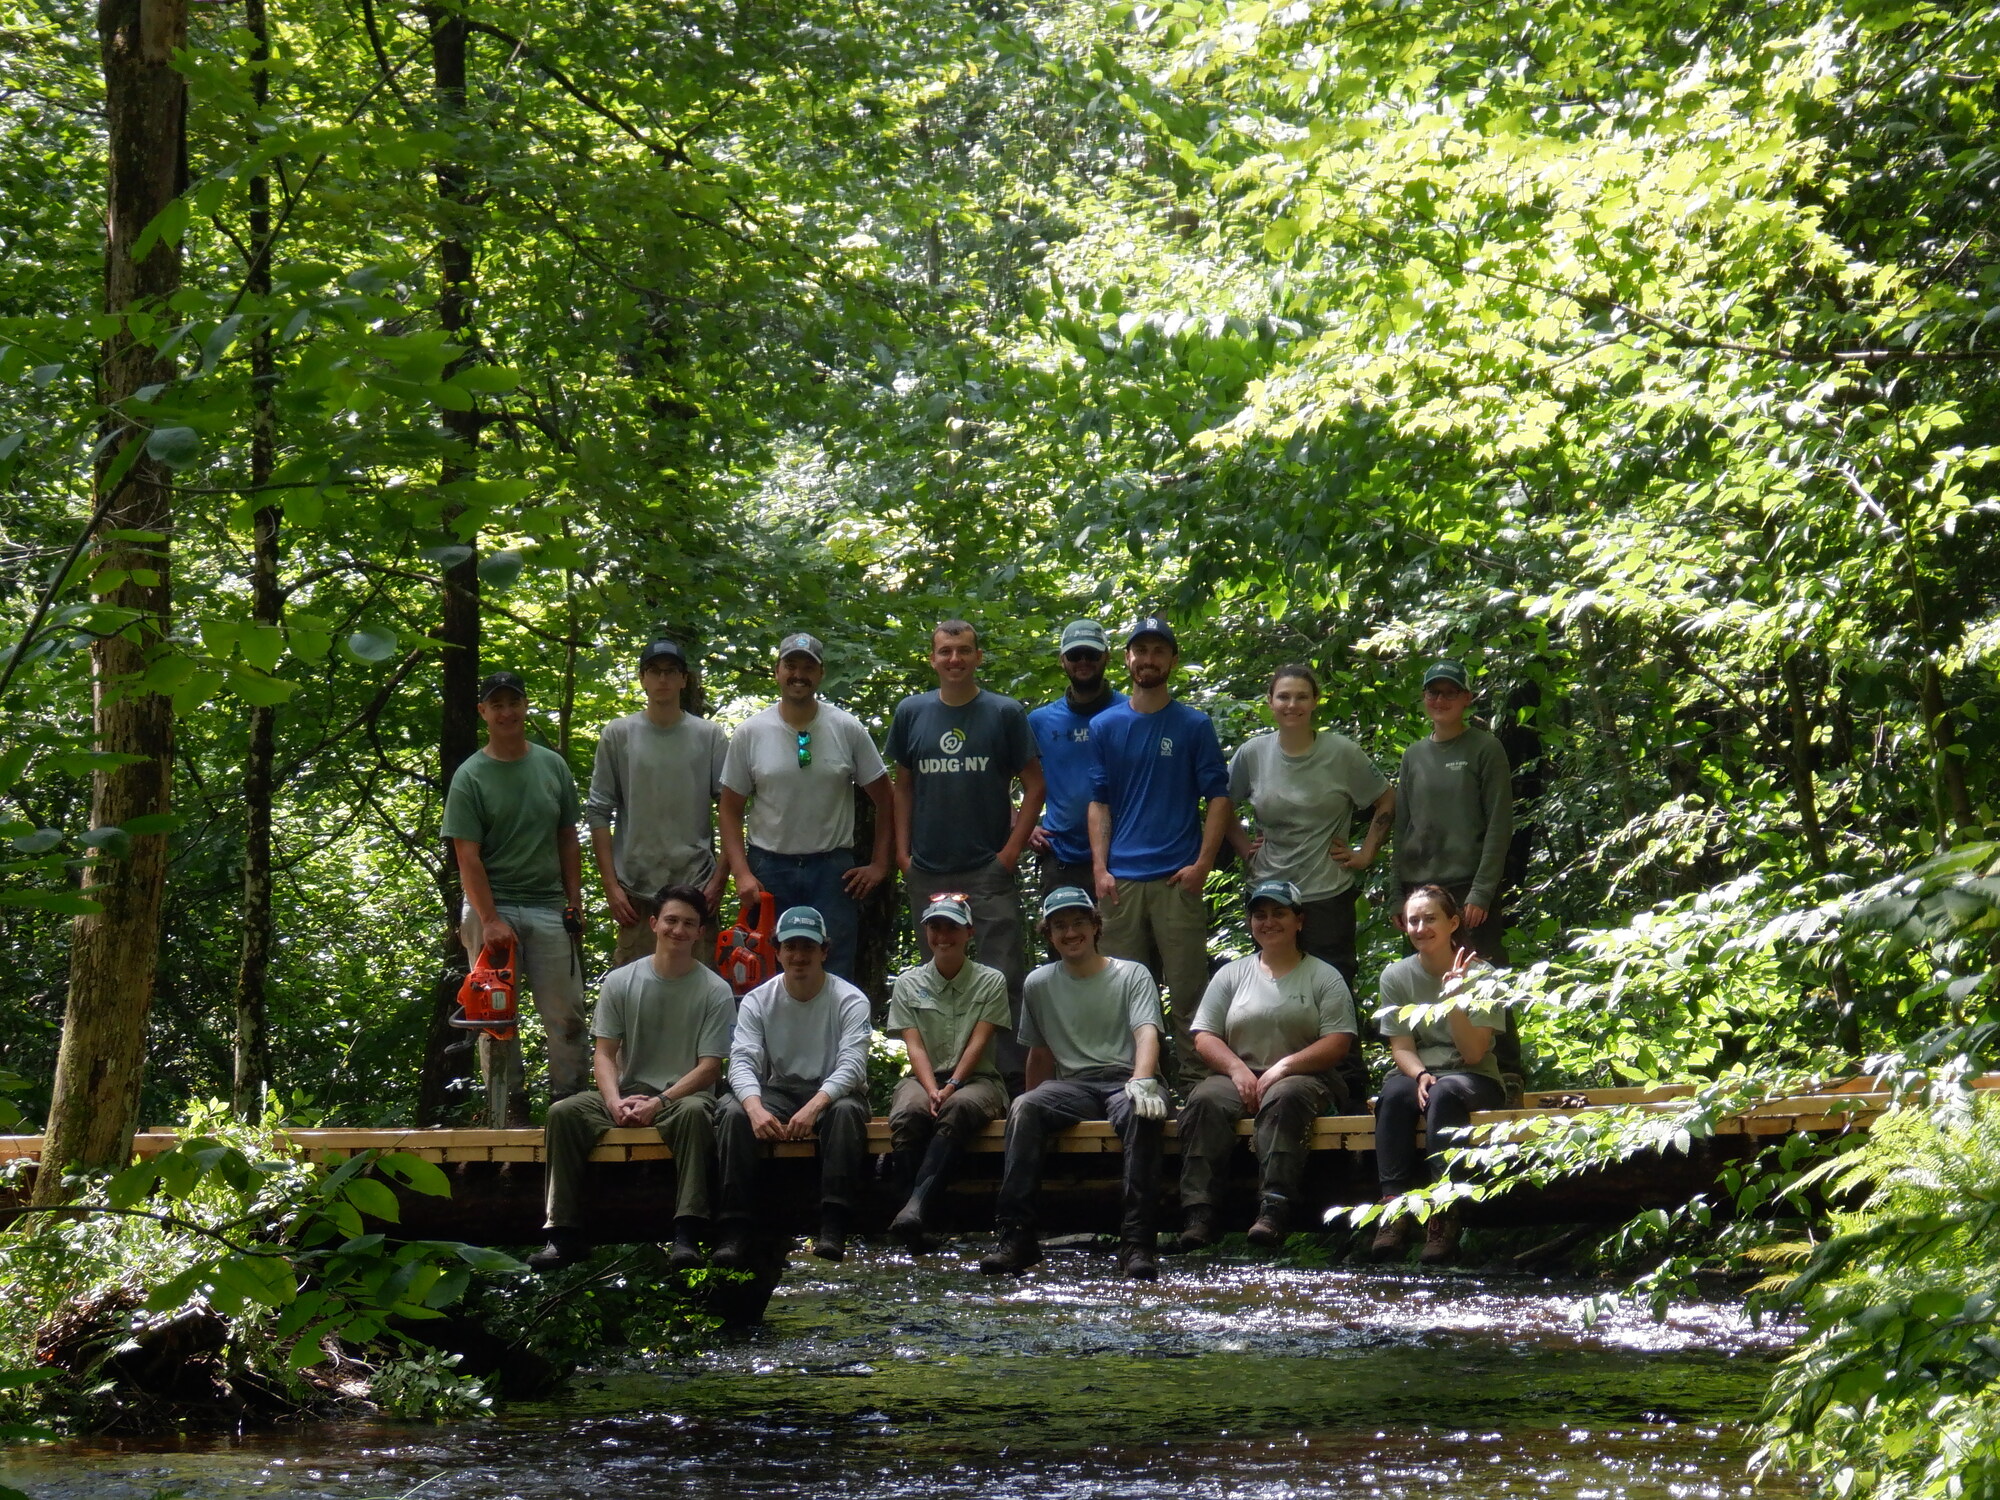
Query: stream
[{"x": 1230, "y": 1379}]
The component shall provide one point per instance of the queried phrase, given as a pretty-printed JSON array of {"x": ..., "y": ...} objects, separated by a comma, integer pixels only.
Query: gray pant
[
  {"x": 575, "y": 1124},
  {"x": 1156, "y": 923},
  {"x": 995, "y": 899},
  {"x": 842, "y": 1134},
  {"x": 968, "y": 1111},
  {"x": 1283, "y": 1131},
  {"x": 551, "y": 974},
  {"x": 1047, "y": 1110}
]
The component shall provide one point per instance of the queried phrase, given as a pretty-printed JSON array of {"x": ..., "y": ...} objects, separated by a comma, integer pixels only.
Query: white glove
[{"x": 1149, "y": 1100}]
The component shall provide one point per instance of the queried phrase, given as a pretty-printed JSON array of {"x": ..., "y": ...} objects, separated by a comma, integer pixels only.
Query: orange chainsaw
[
  {"x": 486, "y": 1000},
  {"x": 747, "y": 954}
]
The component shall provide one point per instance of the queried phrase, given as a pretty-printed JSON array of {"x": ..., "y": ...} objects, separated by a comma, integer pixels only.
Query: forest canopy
[{"x": 1642, "y": 355}]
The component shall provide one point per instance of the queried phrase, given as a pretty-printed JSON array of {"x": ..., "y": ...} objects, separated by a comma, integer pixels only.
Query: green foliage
[{"x": 426, "y": 1387}]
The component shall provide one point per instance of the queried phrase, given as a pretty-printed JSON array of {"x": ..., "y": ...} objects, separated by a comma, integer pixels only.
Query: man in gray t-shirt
[
  {"x": 958, "y": 751},
  {"x": 652, "y": 791},
  {"x": 1092, "y": 1026},
  {"x": 794, "y": 767}
]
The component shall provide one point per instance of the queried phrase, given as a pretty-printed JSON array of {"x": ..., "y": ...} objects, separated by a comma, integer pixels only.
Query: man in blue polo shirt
[
  {"x": 1155, "y": 760},
  {"x": 1062, "y": 736}
]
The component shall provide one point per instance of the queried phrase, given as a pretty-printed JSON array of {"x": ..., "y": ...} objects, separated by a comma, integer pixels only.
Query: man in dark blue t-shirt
[
  {"x": 1155, "y": 759},
  {"x": 1062, "y": 737},
  {"x": 957, "y": 752}
]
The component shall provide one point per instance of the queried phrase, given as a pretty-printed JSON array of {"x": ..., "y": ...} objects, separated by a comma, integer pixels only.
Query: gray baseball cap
[
  {"x": 798, "y": 641},
  {"x": 663, "y": 649},
  {"x": 949, "y": 908},
  {"x": 1284, "y": 892},
  {"x": 1083, "y": 635}
]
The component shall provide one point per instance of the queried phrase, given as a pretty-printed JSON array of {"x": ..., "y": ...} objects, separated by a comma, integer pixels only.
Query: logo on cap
[{"x": 798, "y": 642}]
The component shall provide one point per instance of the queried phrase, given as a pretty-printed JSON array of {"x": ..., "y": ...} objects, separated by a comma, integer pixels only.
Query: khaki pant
[
  {"x": 575, "y": 1125},
  {"x": 551, "y": 975},
  {"x": 968, "y": 1111},
  {"x": 1156, "y": 923},
  {"x": 1284, "y": 1123}
]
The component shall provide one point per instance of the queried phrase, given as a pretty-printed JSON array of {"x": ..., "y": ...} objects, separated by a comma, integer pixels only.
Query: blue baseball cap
[
  {"x": 1067, "y": 898},
  {"x": 802, "y": 922},
  {"x": 1153, "y": 625}
]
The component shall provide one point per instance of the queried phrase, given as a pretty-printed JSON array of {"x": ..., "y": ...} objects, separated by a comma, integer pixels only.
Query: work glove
[
  {"x": 572, "y": 921},
  {"x": 1149, "y": 1100}
]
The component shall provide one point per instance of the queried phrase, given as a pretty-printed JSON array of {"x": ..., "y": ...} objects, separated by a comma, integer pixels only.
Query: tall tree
[{"x": 95, "y": 1107}]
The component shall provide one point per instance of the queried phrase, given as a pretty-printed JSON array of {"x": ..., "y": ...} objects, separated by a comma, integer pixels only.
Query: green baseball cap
[
  {"x": 1083, "y": 635},
  {"x": 1066, "y": 898},
  {"x": 1448, "y": 671},
  {"x": 801, "y": 922},
  {"x": 950, "y": 908},
  {"x": 1284, "y": 892}
]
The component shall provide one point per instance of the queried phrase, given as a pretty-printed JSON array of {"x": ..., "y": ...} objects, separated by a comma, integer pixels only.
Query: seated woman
[
  {"x": 1444, "y": 1068},
  {"x": 1273, "y": 1028}
]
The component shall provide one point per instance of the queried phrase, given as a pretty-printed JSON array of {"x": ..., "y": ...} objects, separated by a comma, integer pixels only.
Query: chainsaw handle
[{"x": 766, "y": 919}]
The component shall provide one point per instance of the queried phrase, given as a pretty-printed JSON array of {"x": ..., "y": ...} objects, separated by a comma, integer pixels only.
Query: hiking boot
[
  {"x": 1517, "y": 1090},
  {"x": 1198, "y": 1227},
  {"x": 565, "y": 1248},
  {"x": 908, "y": 1226},
  {"x": 831, "y": 1241},
  {"x": 1392, "y": 1238},
  {"x": 685, "y": 1252},
  {"x": 733, "y": 1254},
  {"x": 1017, "y": 1251},
  {"x": 1440, "y": 1238},
  {"x": 1136, "y": 1263},
  {"x": 1273, "y": 1219}
]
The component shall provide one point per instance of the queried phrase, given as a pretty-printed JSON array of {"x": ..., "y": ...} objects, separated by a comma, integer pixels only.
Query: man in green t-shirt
[
  {"x": 948, "y": 1012},
  {"x": 511, "y": 817},
  {"x": 1092, "y": 1028},
  {"x": 663, "y": 1025}
]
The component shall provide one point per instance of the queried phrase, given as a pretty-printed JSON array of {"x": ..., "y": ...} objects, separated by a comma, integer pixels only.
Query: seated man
[
  {"x": 798, "y": 1068},
  {"x": 662, "y": 1027},
  {"x": 948, "y": 1011},
  {"x": 1092, "y": 1027}
]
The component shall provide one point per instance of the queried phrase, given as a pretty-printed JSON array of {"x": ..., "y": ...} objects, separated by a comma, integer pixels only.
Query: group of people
[{"x": 1126, "y": 801}]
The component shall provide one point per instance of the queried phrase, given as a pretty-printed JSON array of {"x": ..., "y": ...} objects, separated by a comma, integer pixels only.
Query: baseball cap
[
  {"x": 659, "y": 649},
  {"x": 798, "y": 641},
  {"x": 501, "y": 682},
  {"x": 1153, "y": 625},
  {"x": 801, "y": 921},
  {"x": 1448, "y": 671},
  {"x": 1083, "y": 635},
  {"x": 1282, "y": 891},
  {"x": 953, "y": 908},
  {"x": 1066, "y": 898}
]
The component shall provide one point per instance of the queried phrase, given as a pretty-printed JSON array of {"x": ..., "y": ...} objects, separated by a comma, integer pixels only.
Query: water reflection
[{"x": 888, "y": 1379}]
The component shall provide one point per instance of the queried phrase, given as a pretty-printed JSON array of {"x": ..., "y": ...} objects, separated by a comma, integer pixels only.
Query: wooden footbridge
[{"x": 497, "y": 1174}]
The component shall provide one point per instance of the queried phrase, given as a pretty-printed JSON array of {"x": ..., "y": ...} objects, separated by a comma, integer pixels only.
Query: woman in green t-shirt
[
  {"x": 1273, "y": 1029},
  {"x": 1443, "y": 1067}
]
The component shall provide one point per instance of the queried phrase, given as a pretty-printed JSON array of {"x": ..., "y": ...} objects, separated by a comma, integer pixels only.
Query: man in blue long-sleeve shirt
[
  {"x": 798, "y": 1068},
  {"x": 1062, "y": 738},
  {"x": 1151, "y": 845}
]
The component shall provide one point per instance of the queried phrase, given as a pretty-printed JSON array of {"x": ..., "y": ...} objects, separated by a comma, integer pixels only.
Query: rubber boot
[
  {"x": 1198, "y": 1227},
  {"x": 1274, "y": 1217},
  {"x": 939, "y": 1166},
  {"x": 1018, "y": 1249},
  {"x": 831, "y": 1241},
  {"x": 685, "y": 1253},
  {"x": 734, "y": 1253},
  {"x": 565, "y": 1248}
]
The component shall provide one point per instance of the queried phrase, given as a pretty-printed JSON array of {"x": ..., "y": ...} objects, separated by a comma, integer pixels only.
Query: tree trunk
[
  {"x": 458, "y": 727},
  {"x": 113, "y": 954},
  {"x": 253, "y": 1045},
  {"x": 1798, "y": 757}
]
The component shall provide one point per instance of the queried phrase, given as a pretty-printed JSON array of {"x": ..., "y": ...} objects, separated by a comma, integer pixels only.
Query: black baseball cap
[
  {"x": 659, "y": 649},
  {"x": 1153, "y": 625},
  {"x": 501, "y": 682}
]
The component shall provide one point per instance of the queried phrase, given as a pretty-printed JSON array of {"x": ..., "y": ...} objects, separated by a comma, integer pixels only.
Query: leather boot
[
  {"x": 565, "y": 1248},
  {"x": 1136, "y": 1262},
  {"x": 1392, "y": 1237},
  {"x": 1274, "y": 1216},
  {"x": 685, "y": 1252},
  {"x": 1440, "y": 1238},
  {"x": 1198, "y": 1227},
  {"x": 831, "y": 1241},
  {"x": 734, "y": 1254},
  {"x": 939, "y": 1166},
  {"x": 1017, "y": 1251}
]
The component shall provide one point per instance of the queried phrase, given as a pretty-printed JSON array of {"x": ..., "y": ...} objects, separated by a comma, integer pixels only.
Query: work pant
[
  {"x": 1047, "y": 1110},
  {"x": 815, "y": 880},
  {"x": 1454, "y": 1096},
  {"x": 995, "y": 899},
  {"x": 1488, "y": 941},
  {"x": 551, "y": 974},
  {"x": 968, "y": 1111},
  {"x": 1283, "y": 1131},
  {"x": 1328, "y": 935},
  {"x": 1156, "y": 923},
  {"x": 1053, "y": 872},
  {"x": 686, "y": 1124},
  {"x": 842, "y": 1136}
]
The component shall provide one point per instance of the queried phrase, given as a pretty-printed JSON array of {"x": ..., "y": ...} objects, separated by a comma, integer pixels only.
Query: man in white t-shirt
[{"x": 795, "y": 766}]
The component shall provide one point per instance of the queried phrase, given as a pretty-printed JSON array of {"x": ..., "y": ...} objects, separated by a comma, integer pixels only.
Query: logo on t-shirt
[
  {"x": 1080, "y": 736},
  {"x": 1456, "y": 765},
  {"x": 1166, "y": 746},
  {"x": 951, "y": 741}
]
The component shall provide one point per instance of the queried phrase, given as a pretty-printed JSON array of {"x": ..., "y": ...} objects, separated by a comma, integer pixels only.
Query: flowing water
[{"x": 1231, "y": 1380}]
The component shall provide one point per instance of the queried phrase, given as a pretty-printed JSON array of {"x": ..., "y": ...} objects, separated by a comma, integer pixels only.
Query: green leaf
[
  {"x": 500, "y": 569},
  {"x": 13, "y": 761},
  {"x": 109, "y": 840},
  {"x": 374, "y": 1198},
  {"x": 416, "y": 1174},
  {"x": 62, "y": 903},
  {"x": 260, "y": 691},
  {"x": 176, "y": 447},
  {"x": 38, "y": 842},
  {"x": 372, "y": 643},
  {"x": 487, "y": 380}
]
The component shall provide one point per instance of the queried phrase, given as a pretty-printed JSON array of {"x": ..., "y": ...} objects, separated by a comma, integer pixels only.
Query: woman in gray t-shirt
[
  {"x": 1444, "y": 1067},
  {"x": 1273, "y": 1028}
]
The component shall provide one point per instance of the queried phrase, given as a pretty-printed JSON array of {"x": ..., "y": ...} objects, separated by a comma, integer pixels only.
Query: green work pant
[
  {"x": 1284, "y": 1126},
  {"x": 967, "y": 1112},
  {"x": 575, "y": 1125},
  {"x": 1156, "y": 923}
]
